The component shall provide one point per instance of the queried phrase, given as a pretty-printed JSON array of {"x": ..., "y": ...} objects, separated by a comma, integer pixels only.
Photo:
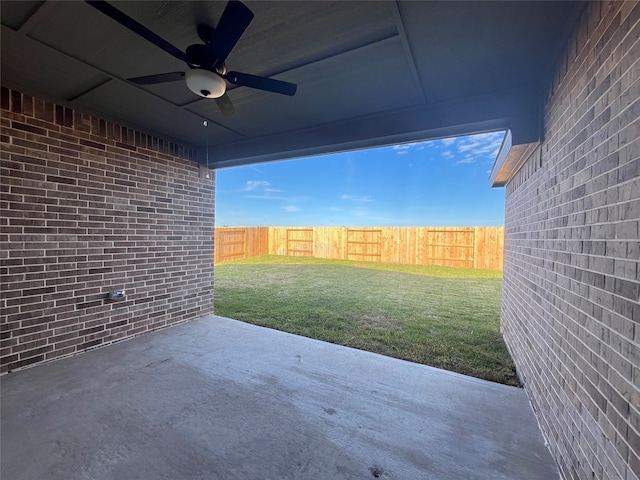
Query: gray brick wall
[
  {"x": 88, "y": 206},
  {"x": 571, "y": 301}
]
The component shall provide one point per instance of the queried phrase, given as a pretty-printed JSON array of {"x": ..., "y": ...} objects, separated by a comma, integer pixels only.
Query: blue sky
[{"x": 437, "y": 183}]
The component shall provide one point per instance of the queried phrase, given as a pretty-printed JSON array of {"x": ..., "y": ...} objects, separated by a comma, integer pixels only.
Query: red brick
[{"x": 61, "y": 172}]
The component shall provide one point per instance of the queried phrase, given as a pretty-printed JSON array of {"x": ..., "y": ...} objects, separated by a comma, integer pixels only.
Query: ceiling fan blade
[
  {"x": 128, "y": 22},
  {"x": 225, "y": 105},
  {"x": 262, "y": 83},
  {"x": 234, "y": 21},
  {"x": 160, "y": 78}
]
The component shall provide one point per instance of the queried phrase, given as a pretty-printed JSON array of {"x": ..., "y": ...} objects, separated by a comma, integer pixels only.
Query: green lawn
[{"x": 444, "y": 317}]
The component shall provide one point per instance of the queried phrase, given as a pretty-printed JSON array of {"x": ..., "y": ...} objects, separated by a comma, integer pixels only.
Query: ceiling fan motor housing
[{"x": 205, "y": 83}]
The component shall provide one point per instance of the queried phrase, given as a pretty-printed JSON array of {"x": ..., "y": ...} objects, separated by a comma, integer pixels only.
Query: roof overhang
[
  {"x": 510, "y": 159},
  {"x": 368, "y": 73}
]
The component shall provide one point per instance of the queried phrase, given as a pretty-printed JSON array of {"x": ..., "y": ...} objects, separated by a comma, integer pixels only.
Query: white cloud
[
  {"x": 404, "y": 148},
  {"x": 275, "y": 190},
  {"x": 486, "y": 144},
  {"x": 255, "y": 184},
  {"x": 291, "y": 208},
  {"x": 267, "y": 197},
  {"x": 357, "y": 198},
  {"x": 473, "y": 147},
  {"x": 298, "y": 199}
]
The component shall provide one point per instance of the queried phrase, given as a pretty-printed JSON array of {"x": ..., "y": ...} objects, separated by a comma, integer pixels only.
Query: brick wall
[
  {"x": 89, "y": 206},
  {"x": 571, "y": 309}
]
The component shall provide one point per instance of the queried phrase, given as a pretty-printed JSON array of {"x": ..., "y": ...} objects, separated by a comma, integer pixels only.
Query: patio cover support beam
[{"x": 517, "y": 110}]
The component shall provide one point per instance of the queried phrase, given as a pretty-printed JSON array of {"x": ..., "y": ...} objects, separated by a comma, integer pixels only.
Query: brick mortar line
[
  {"x": 572, "y": 108},
  {"x": 527, "y": 208},
  {"x": 566, "y": 329},
  {"x": 587, "y": 49},
  {"x": 72, "y": 132},
  {"x": 583, "y": 155},
  {"x": 547, "y": 174},
  {"x": 577, "y": 267},
  {"x": 570, "y": 403},
  {"x": 586, "y": 361},
  {"x": 558, "y": 393}
]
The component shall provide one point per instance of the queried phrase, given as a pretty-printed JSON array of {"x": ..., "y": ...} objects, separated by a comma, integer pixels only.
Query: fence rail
[{"x": 468, "y": 247}]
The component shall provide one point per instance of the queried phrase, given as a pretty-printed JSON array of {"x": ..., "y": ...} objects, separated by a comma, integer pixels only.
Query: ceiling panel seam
[
  {"x": 89, "y": 90},
  {"x": 111, "y": 77},
  {"x": 320, "y": 60},
  {"x": 407, "y": 50},
  {"x": 333, "y": 54},
  {"x": 41, "y": 13}
]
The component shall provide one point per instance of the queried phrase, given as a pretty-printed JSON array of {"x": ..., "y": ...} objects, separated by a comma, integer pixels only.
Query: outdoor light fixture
[{"x": 205, "y": 83}]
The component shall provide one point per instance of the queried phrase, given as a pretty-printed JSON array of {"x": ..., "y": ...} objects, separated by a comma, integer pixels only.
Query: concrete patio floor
[{"x": 221, "y": 399}]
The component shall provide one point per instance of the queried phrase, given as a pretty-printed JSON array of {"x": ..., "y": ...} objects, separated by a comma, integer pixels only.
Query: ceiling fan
[{"x": 207, "y": 74}]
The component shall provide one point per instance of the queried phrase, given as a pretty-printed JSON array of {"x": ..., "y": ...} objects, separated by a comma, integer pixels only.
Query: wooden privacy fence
[
  {"x": 466, "y": 247},
  {"x": 237, "y": 243}
]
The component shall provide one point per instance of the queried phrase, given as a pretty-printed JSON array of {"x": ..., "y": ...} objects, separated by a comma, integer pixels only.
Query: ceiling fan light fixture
[{"x": 205, "y": 83}]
